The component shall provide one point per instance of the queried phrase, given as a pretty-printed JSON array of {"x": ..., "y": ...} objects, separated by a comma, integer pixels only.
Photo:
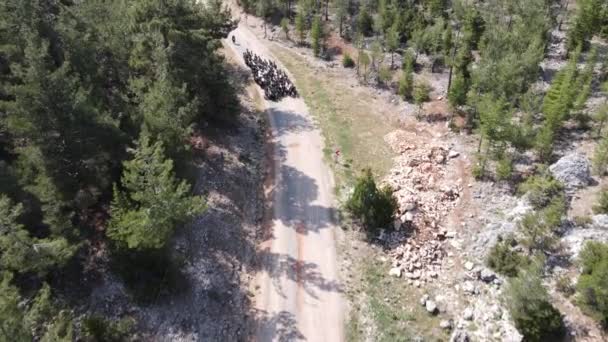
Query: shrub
[
  {"x": 347, "y": 61},
  {"x": 530, "y": 307},
  {"x": 541, "y": 189},
  {"x": 538, "y": 227},
  {"x": 421, "y": 92},
  {"x": 602, "y": 204},
  {"x": 384, "y": 75},
  {"x": 504, "y": 168},
  {"x": 592, "y": 286},
  {"x": 406, "y": 84},
  {"x": 374, "y": 207},
  {"x": 458, "y": 91},
  {"x": 600, "y": 157},
  {"x": 409, "y": 61},
  {"x": 101, "y": 329},
  {"x": 504, "y": 259},
  {"x": 564, "y": 285}
]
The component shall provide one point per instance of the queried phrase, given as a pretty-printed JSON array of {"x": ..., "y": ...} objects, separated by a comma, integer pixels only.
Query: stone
[
  {"x": 450, "y": 234},
  {"x": 397, "y": 224},
  {"x": 467, "y": 314},
  {"x": 469, "y": 265},
  {"x": 487, "y": 276},
  {"x": 395, "y": 272},
  {"x": 423, "y": 299},
  {"x": 446, "y": 324},
  {"x": 409, "y": 206},
  {"x": 460, "y": 336},
  {"x": 469, "y": 287},
  {"x": 431, "y": 306},
  {"x": 407, "y": 217},
  {"x": 453, "y": 154},
  {"x": 573, "y": 170}
]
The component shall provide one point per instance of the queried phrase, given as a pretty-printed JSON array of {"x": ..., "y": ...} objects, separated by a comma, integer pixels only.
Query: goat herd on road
[{"x": 269, "y": 77}]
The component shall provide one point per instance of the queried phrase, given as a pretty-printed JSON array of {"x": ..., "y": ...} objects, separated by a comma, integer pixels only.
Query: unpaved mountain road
[{"x": 297, "y": 289}]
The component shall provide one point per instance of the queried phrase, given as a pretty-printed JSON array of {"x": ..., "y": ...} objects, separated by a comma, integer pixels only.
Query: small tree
[
  {"x": 153, "y": 202},
  {"x": 531, "y": 309},
  {"x": 458, "y": 91},
  {"x": 600, "y": 157},
  {"x": 602, "y": 204},
  {"x": 315, "y": 35},
  {"x": 364, "y": 61},
  {"x": 376, "y": 54},
  {"x": 504, "y": 259},
  {"x": 347, "y": 61},
  {"x": 341, "y": 13},
  {"x": 374, "y": 207},
  {"x": 421, "y": 93},
  {"x": 365, "y": 21},
  {"x": 406, "y": 84},
  {"x": 384, "y": 75},
  {"x": 301, "y": 26},
  {"x": 392, "y": 41},
  {"x": 285, "y": 27},
  {"x": 592, "y": 286}
]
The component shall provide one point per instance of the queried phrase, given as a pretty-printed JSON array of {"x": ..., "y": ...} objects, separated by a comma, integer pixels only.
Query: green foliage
[
  {"x": 541, "y": 189},
  {"x": 100, "y": 329},
  {"x": 392, "y": 41},
  {"x": 592, "y": 286},
  {"x": 504, "y": 259},
  {"x": 384, "y": 74},
  {"x": 406, "y": 84},
  {"x": 538, "y": 227},
  {"x": 153, "y": 202},
  {"x": 11, "y": 316},
  {"x": 458, "y": 90},
  {"x": 409, "y": 61},
  {"x": 301, "y": 26},
  {"x": 365, "y": 21},
  {"x": 602, "y": 204},
  {"x": 421, "y": 92},
  {"x": 504, "y": 168},
  {"x": 347, "y": 61},
  {"x": 564, "y": 285},
  {"x": 364, "y": 61},
  {"x": 21, "y": 252},
  {"x": 531, "y": 309},
  {"x": 316, "y": 35},
  {"x": 591, "y": 17},
  {"x": 600, "y": 157},
  {"x": 374, "y": 207}
]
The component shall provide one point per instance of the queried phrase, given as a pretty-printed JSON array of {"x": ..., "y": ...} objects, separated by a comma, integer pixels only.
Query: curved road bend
[{"x": 299, "y": 296}]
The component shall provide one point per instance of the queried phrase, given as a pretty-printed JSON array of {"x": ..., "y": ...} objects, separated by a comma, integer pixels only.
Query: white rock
[
  {"x": 423, "y": 299},
  {"x": 467, "y": 314},
  {"x": 469, "y": 265},
  {"x": 395, "y": 272},
  {"x": 445, "y": 324},
  {"x": 430, "y": 306},
  {"x": 453, "y": 154}
]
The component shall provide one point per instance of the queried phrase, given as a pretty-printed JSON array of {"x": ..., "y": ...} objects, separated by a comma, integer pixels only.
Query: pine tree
[
  {"x": 458, "y": 91},
  {"x": 406, "y": 84},
  {"x": 20, "y": 252},
  {"x": 315, "y": 35},
  {"x": 11, "y": 316},
  {"x": 152, "y": 202},
  {"x": 341, "y": 13},
  {"x": 392, "y": 41},
  {"x": 300, "y": 25}
]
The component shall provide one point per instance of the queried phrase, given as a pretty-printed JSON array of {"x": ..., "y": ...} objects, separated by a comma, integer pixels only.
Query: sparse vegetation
[
  {"x": 504, "y": 259},
  {"x": 602, "y": 204},
  {"x": 347, "y": 61},
  {"x": 531, "y": 309},
  {"x": 592, "y": 286}
]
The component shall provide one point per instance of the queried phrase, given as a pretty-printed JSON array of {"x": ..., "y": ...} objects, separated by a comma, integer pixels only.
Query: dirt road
[{"x": 297, "y": 289}]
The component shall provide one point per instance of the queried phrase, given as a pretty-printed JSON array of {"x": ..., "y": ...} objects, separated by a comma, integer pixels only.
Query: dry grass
[{"x": 348, "y": 121}]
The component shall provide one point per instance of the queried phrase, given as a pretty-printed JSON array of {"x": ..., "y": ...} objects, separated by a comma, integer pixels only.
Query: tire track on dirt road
[{"x": 298, "y": 291}]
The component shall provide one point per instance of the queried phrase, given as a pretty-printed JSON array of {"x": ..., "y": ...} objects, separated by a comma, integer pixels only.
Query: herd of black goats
[{"x": 273, "y": 80}]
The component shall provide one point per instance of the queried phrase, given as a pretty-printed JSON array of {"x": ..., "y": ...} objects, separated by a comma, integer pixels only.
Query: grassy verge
[
  {"x": 347, "y": 122},
  {"x": 393, "y": 306}
]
